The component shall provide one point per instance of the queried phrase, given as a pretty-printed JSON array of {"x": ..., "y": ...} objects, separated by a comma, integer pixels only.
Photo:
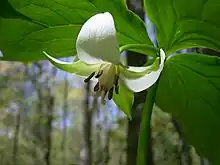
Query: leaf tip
[{"x": 45, "y": 53}]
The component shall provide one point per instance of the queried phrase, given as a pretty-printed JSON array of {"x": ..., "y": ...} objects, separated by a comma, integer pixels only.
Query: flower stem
[
  {"x": 143, "y": 141},
  {"x": 140, "y": 48}
]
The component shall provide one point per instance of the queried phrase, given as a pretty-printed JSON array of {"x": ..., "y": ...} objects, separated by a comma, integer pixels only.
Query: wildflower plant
[{"x": 187, "y": 85}]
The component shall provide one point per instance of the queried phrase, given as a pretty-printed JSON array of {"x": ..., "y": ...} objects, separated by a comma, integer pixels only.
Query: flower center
[{"x": 108, "y": 76}]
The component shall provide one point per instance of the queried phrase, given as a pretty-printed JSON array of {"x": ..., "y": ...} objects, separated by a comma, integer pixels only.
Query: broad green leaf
[
  {"x": 185, "y": 23},
  {"x": 59, "y": 22},
  {"x": 189, "y": 89},
  {"x": 24, "y": 40},
  {"x": 124, "y": 100}
]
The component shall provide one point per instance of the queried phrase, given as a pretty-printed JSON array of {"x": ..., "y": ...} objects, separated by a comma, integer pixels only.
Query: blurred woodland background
[{"x": 45, "y": 119}]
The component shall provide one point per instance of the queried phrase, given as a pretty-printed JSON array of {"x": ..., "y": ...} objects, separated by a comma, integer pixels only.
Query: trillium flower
[{"x": 98, "y": 57}]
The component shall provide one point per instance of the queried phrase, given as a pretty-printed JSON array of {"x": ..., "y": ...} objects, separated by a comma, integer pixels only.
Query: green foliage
[
  {"x": 124, "y": 100},
  {"x": 189, "y": 86},
  {"x": 185, "y": 23},
  {"x": 189, "y": 89},
  {"x": 53, "y": 27}
]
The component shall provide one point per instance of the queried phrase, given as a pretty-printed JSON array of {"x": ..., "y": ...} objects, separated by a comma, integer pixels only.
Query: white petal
[
  {"x": 97, "y": 40},
  {"x": 146, "y": 81}
]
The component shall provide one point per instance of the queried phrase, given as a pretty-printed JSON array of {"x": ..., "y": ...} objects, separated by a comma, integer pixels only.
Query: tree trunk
[
  {"x": 37, "y": 126},
  {"x": 49, "y": 116},
  {"x": 204, "y": 161},
  {"x": 136, "y": 59},
  {"x": 106, "y": 149},
  {"x": 49, "y": 129},
  {"x": 16, "y": 137},
  {"x": 65, "y": 108},
  {"x": 185, "y": 154},
  {"x": 86, "y": 150},
  {"x": 99, "y": 147}
]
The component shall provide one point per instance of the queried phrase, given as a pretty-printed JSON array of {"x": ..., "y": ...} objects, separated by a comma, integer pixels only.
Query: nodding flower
[{"x": 98, "y": 57}]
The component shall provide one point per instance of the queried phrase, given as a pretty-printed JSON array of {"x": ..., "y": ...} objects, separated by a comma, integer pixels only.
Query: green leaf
[
  {"x": 189, "y": 89},
  {"x": 27, "y": 41},
  {"x": 59, "y": 22},
  {"x": 124, "y": 100},
  {"x": 185, "y": 23}
]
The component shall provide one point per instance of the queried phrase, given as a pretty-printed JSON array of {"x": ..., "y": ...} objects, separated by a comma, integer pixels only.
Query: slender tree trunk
[
  {"x": 49, "y": 129},
  {"x": 16, "y": 137},
  {"x": 18, "y": 125},
  {"x": 37, "y": 127},
  {"x": 39, "y": 111},
  {"x": 106, "y": 148},
  {"x": 65, "y": 108},
  {"x": 107, "y": 132},
  {"x": 99, "y": 151},
  {"x": 121, "y": 159},
  {"x": 49, "y": 116},
  {"x": 185, "y": 154},
  {"x": 86, "y": 150},
  {"x": 204, "y": 161},
  {"x": 136, "y": 59}
]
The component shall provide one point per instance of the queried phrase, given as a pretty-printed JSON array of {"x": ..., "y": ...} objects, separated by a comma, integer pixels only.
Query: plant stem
[
  {"x": 140, "y": 48},
  {"x": 145, "y": 126}
]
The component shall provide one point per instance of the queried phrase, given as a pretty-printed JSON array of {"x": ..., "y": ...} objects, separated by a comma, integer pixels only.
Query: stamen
[
  {"x": 117, "y": 89},
  {"x": 99, "y": 74},
  {"x": 110, "y": 93},
  {"x": 96, "y": 88},
  {"x": 116, "y": 80},
  {"x": 89, "y": 78}
]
